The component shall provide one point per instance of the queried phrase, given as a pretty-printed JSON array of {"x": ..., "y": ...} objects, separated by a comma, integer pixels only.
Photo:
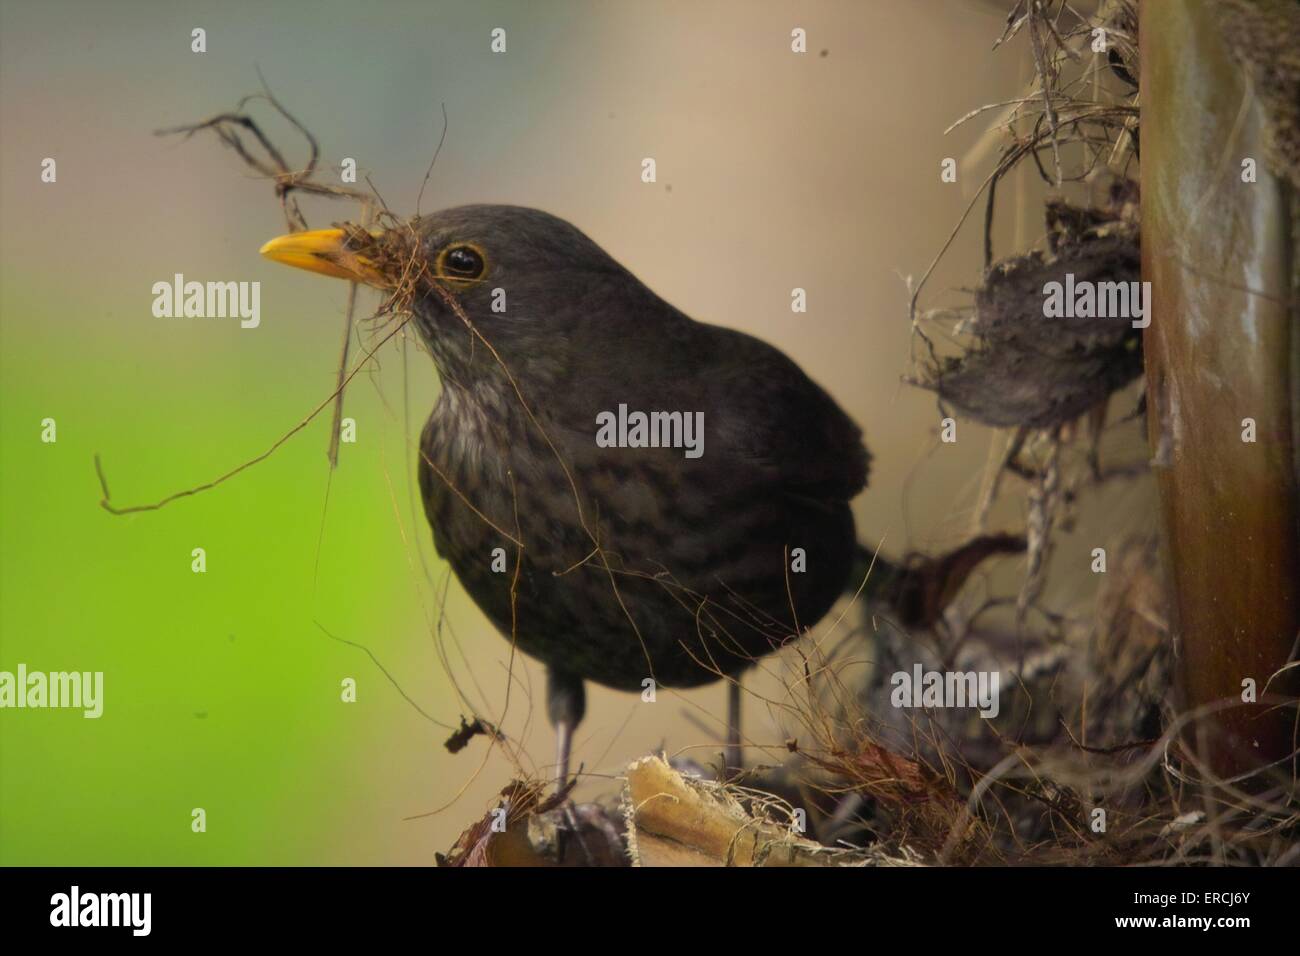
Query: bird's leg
[
  {"x": 563, "y": 740},
  {"x": 566, "y": 702},
  {"x": 731, "y": 756}
]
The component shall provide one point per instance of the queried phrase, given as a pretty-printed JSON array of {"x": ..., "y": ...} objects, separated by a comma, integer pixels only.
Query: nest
[{"x": 1024, "y": 370}]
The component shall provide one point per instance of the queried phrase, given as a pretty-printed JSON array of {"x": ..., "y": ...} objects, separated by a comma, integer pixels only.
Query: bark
[{"x": 1219, "y": 254}]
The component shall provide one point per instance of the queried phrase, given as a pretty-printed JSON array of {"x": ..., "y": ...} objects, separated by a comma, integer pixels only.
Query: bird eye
[{"x": 461, "y": 262}]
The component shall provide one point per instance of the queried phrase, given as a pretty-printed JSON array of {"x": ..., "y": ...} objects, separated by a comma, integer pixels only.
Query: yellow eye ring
[{"x": 463, "y": 262}]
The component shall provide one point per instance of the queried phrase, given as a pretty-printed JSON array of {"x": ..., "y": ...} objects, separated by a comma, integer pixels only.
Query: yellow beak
[{"x": 325, "y": 251}]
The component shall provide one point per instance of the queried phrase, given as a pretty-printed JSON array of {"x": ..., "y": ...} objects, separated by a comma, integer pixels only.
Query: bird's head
[{"x": 528, "y": 283}]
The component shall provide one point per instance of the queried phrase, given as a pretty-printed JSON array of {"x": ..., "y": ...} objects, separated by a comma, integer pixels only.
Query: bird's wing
[{"x": 772, "y": 423}]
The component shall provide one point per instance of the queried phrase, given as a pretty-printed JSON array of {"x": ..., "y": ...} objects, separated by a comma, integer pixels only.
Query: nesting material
[
  {"x": 1021, "y": 368},
  {"x": 674, "y": 820},
  {"x": 1264, "y": 38},
  {"x": 529, "y": 827}
]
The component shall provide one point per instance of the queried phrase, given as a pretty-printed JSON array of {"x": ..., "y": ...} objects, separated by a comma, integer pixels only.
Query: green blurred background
[{"x": 221, "y": 691}]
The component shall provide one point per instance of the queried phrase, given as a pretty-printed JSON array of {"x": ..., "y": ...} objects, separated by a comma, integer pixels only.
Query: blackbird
[{"x": 634, "y": 497}]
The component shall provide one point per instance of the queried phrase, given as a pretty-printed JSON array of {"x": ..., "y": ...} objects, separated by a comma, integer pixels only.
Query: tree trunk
[{"x": 1219, "y": 253}]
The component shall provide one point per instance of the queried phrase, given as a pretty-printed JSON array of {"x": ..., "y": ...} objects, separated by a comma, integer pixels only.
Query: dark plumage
[{"x": 633, "y": 563}]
